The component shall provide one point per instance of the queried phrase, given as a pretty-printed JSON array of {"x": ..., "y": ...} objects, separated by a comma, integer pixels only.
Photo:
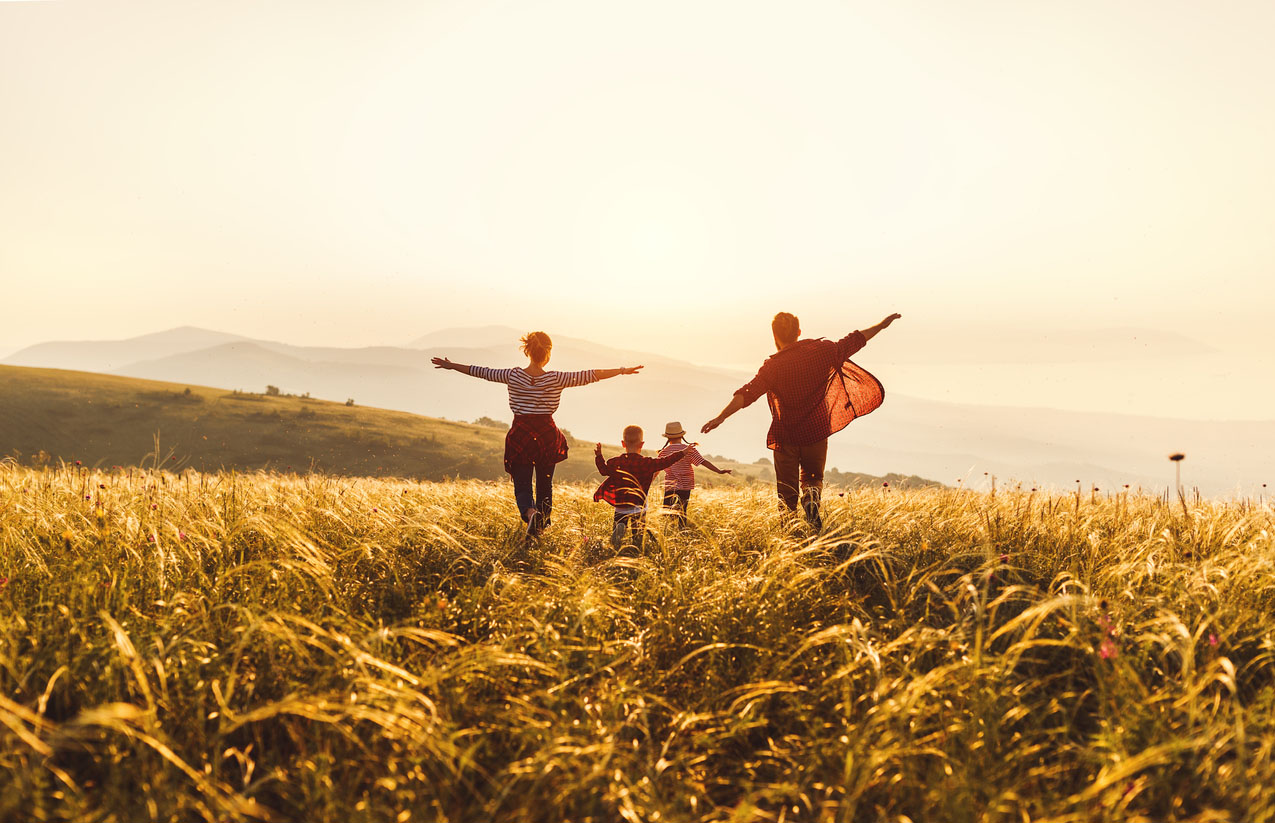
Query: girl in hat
[
  {"x": 679, "y": 478},
  {"x": 534, "y": 445}
]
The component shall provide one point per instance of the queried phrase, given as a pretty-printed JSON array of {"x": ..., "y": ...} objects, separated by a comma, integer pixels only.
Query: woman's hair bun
[{"x": 536, "y": 345}]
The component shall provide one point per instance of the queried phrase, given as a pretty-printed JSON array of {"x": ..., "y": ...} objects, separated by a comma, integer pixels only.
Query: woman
[{"x": 534, "y": 445}]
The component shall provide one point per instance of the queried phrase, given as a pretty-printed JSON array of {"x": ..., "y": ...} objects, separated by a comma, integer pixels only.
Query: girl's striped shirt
[
  {"x": 681, "y": 475},
  {"x": 534, "y": 395}
]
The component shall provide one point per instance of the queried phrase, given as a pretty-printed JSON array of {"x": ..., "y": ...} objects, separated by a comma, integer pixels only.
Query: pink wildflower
[
  {"x": 1212, "y": 639},
  {"x": 1108, "y": 649},
  {"x": 150, "y": 538},
  {"x": 4, "y": 581}
]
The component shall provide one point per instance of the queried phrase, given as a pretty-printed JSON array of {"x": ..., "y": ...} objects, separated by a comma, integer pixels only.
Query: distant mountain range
[{"x": 944, "y": 441}]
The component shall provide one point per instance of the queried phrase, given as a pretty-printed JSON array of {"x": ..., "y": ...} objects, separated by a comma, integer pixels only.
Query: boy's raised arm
[{"x": 602, "y": 464}]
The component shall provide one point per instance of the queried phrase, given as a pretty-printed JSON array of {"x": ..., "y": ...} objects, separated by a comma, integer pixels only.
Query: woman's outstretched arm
[
  {"x": 444, "y": 363},
  {"x": 481, "y": 372},
  {"x": 603, "y": 374}
]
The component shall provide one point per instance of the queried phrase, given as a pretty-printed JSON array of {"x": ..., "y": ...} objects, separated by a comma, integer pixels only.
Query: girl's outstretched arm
[
  {"x": 603, "y": 374},
  {"x": 713, "y": 468}
]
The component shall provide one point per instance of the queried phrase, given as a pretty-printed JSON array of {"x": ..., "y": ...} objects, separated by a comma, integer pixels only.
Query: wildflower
[
  {"x": 1004, "y": 558},
  {"x": 1108, "y": 649},
  {"x": 1212, "y": 639},
  {"x": 154, "y": 505},
  {"x": 150, "y": 538},
  {"x": 885, "y": 484},
  {"x": 4, "y": 581},
  {"x": 78, "y": 463},
  {"x": 181, "y": 535},
  {"x": 374, "y": 511},
  {"x": 101, "y": 485},
  {"x": 88, "y": 497}
]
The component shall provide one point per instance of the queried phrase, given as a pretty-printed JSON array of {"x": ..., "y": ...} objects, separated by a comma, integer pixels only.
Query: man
[{"x": 814, "y": 391}]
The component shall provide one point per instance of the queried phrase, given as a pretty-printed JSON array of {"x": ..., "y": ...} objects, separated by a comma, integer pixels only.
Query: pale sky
[{"x": 662, "y": 176}]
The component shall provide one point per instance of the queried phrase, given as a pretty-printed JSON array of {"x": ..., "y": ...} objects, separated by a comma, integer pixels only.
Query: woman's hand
[
  {"x": 598, "y": 450},
  {"x": 442, "y": 363},
  {"x": 725, "y": 471},
  {"x": 630, "y": 369}
]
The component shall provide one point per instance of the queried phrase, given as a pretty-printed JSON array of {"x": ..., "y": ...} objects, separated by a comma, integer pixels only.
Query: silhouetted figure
[
  {"x": 534, "y": 445},
  {"x": 814, "y": 391}
]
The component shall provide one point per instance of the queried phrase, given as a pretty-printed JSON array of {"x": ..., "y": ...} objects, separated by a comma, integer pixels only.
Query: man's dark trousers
[{"x": 804, "y": 465}]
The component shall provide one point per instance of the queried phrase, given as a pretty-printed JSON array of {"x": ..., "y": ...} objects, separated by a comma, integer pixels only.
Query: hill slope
[{"x": 107, "y": 420}]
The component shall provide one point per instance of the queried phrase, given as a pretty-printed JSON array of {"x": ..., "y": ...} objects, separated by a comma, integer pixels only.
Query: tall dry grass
[{"x": 268, "y": 647}]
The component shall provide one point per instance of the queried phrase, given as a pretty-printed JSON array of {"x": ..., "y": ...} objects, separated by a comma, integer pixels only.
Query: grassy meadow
[{"x": 238, "y": 647}]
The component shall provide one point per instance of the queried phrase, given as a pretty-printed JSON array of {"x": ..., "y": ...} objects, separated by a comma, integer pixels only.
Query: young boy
[
  {"x": 628, "y": 479},
  {"x": 679, "y": 479}
]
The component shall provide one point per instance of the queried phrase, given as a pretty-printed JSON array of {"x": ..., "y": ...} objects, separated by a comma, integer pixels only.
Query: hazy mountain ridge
[{"x": 929, "y": 438}]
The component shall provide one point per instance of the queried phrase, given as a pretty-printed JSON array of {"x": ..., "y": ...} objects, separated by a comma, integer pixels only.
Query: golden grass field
[{"x": 277, "y": 647}]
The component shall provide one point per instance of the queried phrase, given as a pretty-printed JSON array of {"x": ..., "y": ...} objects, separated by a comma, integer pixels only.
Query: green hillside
[{"x": 104, "y": 420}]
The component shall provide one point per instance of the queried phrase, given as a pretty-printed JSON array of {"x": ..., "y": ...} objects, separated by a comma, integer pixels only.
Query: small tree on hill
[{"x": 272, "y": 391}]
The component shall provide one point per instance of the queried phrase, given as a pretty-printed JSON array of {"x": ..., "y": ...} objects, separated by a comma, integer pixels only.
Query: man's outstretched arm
[
  {"x": 737, "y": 402},
  {"x": 871, "y": 331}
]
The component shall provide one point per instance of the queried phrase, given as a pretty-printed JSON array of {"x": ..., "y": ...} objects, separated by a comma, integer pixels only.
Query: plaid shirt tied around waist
[
  {"x": 534, "y": 438},
  {"x": 814, "y": 390}
]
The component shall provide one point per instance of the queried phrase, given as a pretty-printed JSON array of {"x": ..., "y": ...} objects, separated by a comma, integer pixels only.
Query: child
[
  {"x": 679, "y": 479},
  {"x": 628, "y": 479}
]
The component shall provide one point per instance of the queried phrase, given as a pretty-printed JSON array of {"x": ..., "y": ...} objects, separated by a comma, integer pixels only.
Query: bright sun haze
[{"x": 353, "y": 174}]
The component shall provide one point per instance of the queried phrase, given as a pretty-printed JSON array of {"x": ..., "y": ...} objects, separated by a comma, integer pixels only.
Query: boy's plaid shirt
[
  {"x": 813, "y": 389},
  {"x": 628, "y": 477}
]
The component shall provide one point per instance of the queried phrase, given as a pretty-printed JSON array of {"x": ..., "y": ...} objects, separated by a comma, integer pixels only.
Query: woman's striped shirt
[{"x": 534, "y": 395}]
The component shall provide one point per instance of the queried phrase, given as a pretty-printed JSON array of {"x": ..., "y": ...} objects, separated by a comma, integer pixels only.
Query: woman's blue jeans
[{"x": 542, "y": 500}]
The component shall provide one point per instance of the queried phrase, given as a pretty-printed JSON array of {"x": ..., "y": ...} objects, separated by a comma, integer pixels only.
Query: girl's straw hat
[{"x": 674, "y": 429}]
